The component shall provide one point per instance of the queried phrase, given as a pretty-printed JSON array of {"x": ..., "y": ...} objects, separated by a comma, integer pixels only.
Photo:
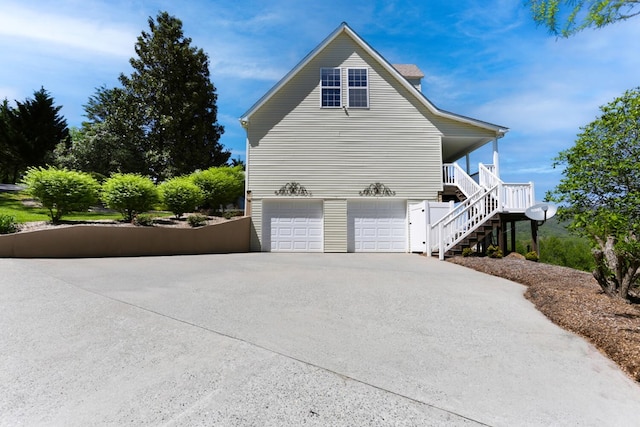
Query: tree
[
  {"x": 600, "y": 192},
  {"x": 111, "y": 141},
  {"x": 172, "y": 89},
  {"x": 567, "y": 17},
  {"x": 30, "y": 132},
  {"x": 7, "y": 142}
]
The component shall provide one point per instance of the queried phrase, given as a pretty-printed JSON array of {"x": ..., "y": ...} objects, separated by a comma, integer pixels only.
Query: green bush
[
  {"x": 221, "y": 186},
  {"x": 129, "y": 194},
  {"x": 197, "y": 220},
  {"x": 467, "y": 252},
  {"x": 61, "y": 191},
  {"x": 181, "y": 195},
  {"x": 531, "y": 256},
  {"x": 8, "y": 224},
  {"x": 494, "y": 252},
  {"x": 144, "y": 220}
]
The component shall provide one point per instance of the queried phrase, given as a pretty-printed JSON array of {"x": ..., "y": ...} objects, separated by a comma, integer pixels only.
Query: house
[{"x": 345, "y": 154}]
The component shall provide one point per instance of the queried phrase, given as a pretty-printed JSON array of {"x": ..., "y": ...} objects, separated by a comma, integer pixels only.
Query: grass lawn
[{"x": 11, "y": 203}]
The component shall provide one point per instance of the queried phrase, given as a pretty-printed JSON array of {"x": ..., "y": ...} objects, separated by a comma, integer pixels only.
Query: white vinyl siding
[
  {"x": 336, "y": 154},
  {"x": 335, "y": 226}
]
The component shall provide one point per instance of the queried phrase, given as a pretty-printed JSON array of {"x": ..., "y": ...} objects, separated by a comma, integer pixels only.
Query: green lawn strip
[{"x": 12, "y": 204}]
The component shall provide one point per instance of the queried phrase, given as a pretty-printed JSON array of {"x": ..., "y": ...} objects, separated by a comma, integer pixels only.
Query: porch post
[
  {"x": 466, "y": 157},
  {"x": 496, "y": 159}
]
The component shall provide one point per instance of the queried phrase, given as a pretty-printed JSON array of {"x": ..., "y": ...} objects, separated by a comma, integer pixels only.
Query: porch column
[{"x": 496, "y": 158}]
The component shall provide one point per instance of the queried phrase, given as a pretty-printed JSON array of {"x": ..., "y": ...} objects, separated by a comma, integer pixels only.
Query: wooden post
[
  {"x": 502, "y": 236},
  {"x": 534, "y": 237},
  {"x": 513, "y": 236}
]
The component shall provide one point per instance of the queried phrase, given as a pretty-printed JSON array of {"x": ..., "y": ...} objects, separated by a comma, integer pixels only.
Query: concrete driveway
[{"x": 300, "y": 339}]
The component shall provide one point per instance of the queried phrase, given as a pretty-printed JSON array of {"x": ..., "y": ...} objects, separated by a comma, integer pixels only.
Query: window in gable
[
  {"x": 358, "y": 88},
  {"x": 330, "y": 87}
]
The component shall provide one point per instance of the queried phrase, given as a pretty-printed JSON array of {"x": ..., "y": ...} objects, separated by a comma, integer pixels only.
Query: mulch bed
[{"x": 573, "y": 300}]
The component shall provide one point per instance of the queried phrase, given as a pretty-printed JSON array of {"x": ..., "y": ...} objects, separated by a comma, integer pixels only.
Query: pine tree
[{"x": 30, "y": 132}]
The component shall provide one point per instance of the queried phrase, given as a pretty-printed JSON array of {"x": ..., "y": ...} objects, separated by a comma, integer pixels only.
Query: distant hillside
[{"x": 557, "y": 245}]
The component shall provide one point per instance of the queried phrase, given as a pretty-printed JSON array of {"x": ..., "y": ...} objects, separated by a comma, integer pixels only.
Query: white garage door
[
  {"x": 377, "y": 226},
  {"x": 292, "y": 226}
]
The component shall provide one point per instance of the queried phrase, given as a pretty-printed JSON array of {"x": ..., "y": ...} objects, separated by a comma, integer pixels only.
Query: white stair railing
[
  {"x": 484, "y": 200},
  {"x": 460, "y": 223},
  {"x": 453, "y": 174},
  {"x": 456, "y": 213}
]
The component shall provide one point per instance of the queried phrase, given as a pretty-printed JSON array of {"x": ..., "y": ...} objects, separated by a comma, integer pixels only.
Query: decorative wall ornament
[
  {"x": 377, "y": 189},
  {"x": 292, "y": 189}
]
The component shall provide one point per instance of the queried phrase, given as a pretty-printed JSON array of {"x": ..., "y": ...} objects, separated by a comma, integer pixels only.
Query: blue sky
[{"x": 482, "y": 58}]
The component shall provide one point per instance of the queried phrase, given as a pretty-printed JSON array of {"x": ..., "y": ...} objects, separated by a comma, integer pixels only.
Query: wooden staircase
[
  {"x": 472, "y": 222},
  {"x": 479, "y": 239}
]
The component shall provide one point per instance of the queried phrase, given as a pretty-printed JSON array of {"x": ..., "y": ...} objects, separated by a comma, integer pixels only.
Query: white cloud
[{"x": 46, "y": 28}]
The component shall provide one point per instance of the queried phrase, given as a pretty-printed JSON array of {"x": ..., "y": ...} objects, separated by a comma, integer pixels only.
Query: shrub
[
  {"x": 494, "y": 252},
  {"x": 197, "y": 220},
  {"x": 8, "y": 224},
  {"x": 129, "y": 194},
  {"x": 221, "y": 186},
  {"x": 61, "y": 191},
  {"x": 531, "y": 256},
  {"x": 144, "y": 220},
  {"x": 181, "y": 195},
  {"x": 467, "y": 252}
]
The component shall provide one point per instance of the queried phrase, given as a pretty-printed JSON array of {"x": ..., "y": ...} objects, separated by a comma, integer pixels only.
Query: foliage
[
  {"x": 571, "y": 251},
  {"x": 61, "y": 191},
  {"x": 145, "y": 220},
  {"x": 233, "y": 213},
  {"x": 162, "y": 121},
  {"x": 29, "y": 133},
  {"x": 129, "y": 194},
  {"x": 567, "y": 17},
  {"x": 494, "y": 252},
  {"x": 197, "y": 220},
  {"x": 8, "y": 224},
  {"x": 181, "y": 195},
  {"x": 531, "y": 256},
  {"x": 600, "y": 192},
  {"x": 467, "y": 252},
  {"x": 221, "y": 186},
  {"x": 110, "y": 142}
]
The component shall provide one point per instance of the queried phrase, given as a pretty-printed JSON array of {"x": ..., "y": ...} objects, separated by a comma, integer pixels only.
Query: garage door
[
  {"x": 377, "y": 226},
  {"x": 292, "y": 226}
]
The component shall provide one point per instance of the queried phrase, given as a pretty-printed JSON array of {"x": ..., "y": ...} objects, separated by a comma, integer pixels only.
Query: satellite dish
[{"x": 541, "y": 212}]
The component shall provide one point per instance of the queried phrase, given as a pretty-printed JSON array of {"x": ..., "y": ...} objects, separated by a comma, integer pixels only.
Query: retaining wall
[{"x": 90, "y": 241}]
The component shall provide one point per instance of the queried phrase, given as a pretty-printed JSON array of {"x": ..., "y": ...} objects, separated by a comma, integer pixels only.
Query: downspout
[{"x": 247, "y": 192}]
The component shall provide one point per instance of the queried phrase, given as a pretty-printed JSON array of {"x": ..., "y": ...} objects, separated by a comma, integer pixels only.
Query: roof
[
  {"x": 345, "y": 29},
  {"x": 409, "y": 71}
]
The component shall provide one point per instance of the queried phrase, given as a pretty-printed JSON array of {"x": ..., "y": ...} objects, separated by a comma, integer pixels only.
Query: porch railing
[{"x": 513, "y": 197}]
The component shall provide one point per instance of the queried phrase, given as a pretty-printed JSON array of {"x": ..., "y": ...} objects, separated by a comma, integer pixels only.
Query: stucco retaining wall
[{"x": 103, "y": 241}]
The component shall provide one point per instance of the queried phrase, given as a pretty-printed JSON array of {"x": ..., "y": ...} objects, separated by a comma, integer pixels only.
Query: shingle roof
[{"x": 409, "y": 71}]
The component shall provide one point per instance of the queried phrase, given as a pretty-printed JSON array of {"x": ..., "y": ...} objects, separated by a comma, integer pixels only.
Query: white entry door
[
  {"x": 292, "y": 226},
  {"x": 377, "y": 225}
]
